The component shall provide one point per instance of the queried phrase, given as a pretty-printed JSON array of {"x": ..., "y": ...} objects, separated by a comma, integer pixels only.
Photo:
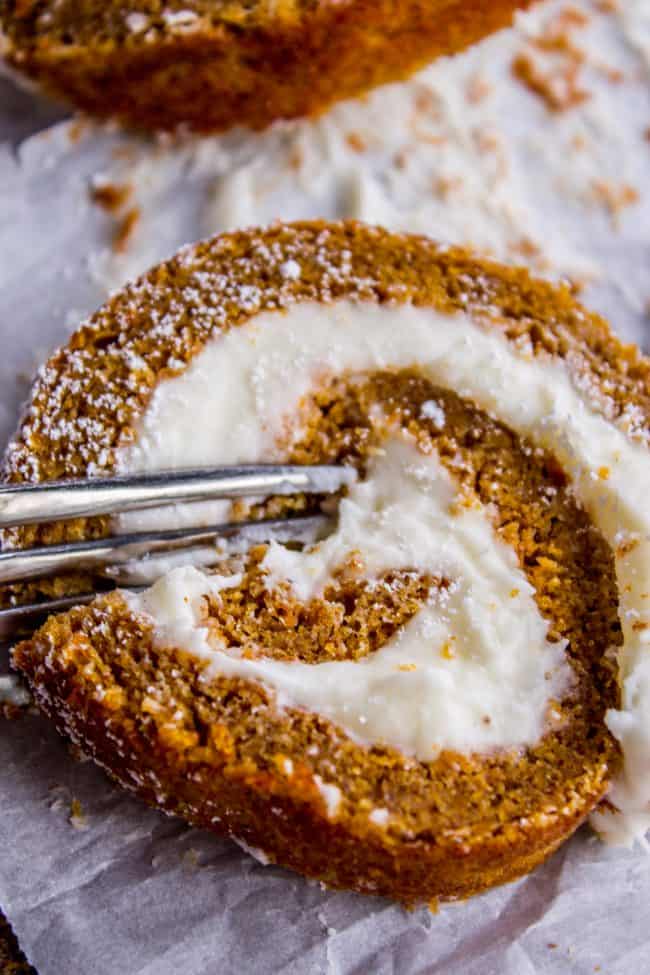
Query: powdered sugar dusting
[
  {"x": 113, "y": 364},
  {"x": 434, "y": 412},
  {"x": 332, "y": 796}
]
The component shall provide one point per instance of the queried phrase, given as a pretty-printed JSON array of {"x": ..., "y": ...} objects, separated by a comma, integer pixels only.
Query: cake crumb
[
  {"x": 125, "y": 230},
  {"x": 356, "y": 142},
  {"x": 557, "y": 83},
  {"x": 447, "y": 651},
  {"x": 77, "y": 818},
  {"x": 558, "y": 89},
  {"x": 478, "y": 89},
  {"x": 110, "y": 196},
  {"x": 76, "y": 130},
  {"x": 614, "y": 198}
]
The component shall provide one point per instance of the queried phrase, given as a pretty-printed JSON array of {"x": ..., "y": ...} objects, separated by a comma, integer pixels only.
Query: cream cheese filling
[
  {"x": 232, "y": 402},
  {"x": 471, "y": 671}
]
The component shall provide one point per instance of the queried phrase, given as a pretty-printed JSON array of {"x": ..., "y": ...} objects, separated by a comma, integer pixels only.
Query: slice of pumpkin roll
[
  {"x": 212, "y": 64},
  {"x": 431, "y": 698}
]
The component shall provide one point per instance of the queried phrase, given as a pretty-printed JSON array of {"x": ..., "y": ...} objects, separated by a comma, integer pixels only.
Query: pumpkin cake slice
[
  {"x": 430, "y": 699},
  {"x": 212, "y": 64}
]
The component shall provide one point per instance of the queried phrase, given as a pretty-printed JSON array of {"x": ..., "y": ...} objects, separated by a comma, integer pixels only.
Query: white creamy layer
[
  {"x": 265, "y": 368},
  {"x": 455, "y": 676}
]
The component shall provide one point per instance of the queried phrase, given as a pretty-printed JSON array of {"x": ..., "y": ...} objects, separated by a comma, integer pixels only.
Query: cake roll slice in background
[{"x": 210, "y": 64}]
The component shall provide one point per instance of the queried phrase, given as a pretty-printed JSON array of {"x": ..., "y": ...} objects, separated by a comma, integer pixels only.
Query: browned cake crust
[
  {"x": 234, "y": 63},
  {"x": 216, "y": 751}
]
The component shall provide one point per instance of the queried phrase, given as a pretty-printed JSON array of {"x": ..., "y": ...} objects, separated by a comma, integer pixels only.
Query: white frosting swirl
[{"x": 230, "y": 404}]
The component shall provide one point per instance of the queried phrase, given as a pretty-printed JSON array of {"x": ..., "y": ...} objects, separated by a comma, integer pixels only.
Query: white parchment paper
[{"x": 92, "y": 881}]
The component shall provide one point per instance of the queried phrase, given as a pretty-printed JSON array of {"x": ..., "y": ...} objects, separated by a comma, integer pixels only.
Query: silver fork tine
[
  {"x": 57, "y": 500},
  {"x": 119, "y": 549}
]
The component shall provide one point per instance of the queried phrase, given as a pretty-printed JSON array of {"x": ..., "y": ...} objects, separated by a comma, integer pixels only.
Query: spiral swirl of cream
[{"x": 230, "y": 406}]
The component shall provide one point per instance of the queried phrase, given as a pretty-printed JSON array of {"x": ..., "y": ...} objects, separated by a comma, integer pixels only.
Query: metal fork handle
[
  {"x": 118, "y": 549},
  {"x": 57, "y": 500},
  {"x": 23, "y": 619}
]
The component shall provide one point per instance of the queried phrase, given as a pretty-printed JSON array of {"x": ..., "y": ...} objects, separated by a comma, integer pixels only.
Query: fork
[{"x": 59, "y": 500}]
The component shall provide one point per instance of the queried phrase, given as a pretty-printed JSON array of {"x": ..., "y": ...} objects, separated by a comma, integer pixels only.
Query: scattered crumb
[
  {"x": 557, "y": 81},
  {"x": 570, "y": 17},
  {"x": 356, "y": 142},
  {"x": 124, "y": 153},
  {"x": 125, "y": 230},
  {"x": 527, "y": 248},
  {"x": 448, "y": 652},
  {"x": 487, "y": 141},
  {"x": 77, "y": 818},
  {"x": 614, "y": 198},
  {"x": 558, "y": 89},
  {"x": 426, "y": 102},
  {"x": 478, "y": 89},
  {"x": 578, "y": 142},
  {"x": 110, "y": 196},
  {"x": 76, "y": 129},
  {"x": 444, "y": 186},
  {"x": 296, "y": 157},
  {"x": 614, "y": 75}
]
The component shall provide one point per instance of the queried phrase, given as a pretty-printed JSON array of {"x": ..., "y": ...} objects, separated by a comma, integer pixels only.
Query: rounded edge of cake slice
[{"x": 216, "y": 750}]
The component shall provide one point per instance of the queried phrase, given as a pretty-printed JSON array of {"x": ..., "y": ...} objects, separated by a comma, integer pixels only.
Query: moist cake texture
[
  {"x": 218, "y": 750},
  {"x": 211, "y": 64}
]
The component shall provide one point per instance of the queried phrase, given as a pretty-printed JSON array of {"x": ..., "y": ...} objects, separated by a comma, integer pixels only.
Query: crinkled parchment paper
[{"x": 92, "y": 881}]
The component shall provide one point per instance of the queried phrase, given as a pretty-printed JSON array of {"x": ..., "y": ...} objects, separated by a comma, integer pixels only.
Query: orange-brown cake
[
  {"x": 429, "y": 700},
  {"x": 211, "y": 64}
]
